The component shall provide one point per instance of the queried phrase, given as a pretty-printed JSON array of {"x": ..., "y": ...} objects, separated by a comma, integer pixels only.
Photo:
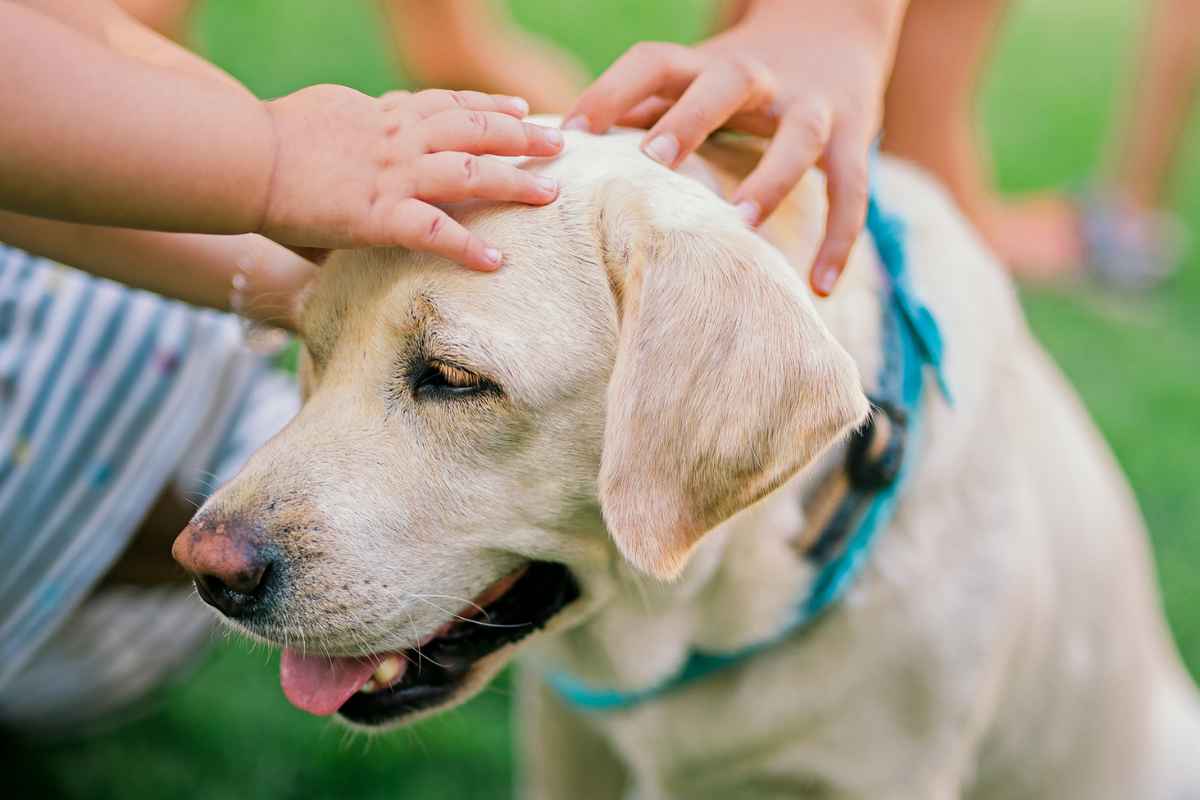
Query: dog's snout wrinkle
[{"x": 231, "y": 569}]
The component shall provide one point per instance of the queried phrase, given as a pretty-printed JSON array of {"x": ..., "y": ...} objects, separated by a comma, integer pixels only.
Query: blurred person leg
[
  {"x": 171, "y": 18},
  {"x": 1116, "y": 229},
  {"x": 142, "y": 628},
  {"x": 475, "y": 44},
  {"x": 730, "y": 13},
  {"x": 1158, "y": 109},
  {"x": 1130, "y": 238},
  {"x": 455, "y": 44},
  {"x": 930, "y": 118}
]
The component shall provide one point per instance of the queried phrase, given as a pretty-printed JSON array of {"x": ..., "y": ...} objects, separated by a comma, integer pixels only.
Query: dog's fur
[{"x": 664, "y": 374}]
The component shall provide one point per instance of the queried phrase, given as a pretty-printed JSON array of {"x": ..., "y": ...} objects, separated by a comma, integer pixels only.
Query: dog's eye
[{"x": 437, "y": 378}]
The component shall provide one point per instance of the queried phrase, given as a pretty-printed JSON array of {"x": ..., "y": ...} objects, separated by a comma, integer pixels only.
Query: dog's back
[
  {"x": 1105, "y": 692},
  {"x": 1096, "y": 702}
]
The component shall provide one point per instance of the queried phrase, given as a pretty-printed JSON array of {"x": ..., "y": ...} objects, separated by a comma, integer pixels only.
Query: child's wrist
[{"x": 266, "y": 187}]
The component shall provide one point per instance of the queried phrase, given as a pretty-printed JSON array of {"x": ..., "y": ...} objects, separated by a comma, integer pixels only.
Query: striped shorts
[{"x": 108, "y": 397}]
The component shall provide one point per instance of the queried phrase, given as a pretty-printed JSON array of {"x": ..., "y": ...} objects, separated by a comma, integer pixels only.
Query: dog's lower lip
[{"x": 436, "y": 674}]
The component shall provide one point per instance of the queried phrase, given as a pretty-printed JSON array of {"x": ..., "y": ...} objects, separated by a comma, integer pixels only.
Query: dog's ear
[{"x": 726, "y": 381}]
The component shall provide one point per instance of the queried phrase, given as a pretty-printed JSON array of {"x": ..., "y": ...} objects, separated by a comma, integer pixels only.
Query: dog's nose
[{"x": 230, "y": 570}]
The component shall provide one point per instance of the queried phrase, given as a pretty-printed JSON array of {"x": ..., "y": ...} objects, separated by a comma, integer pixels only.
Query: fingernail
[
  {"x": 553, "y": 136},
  {"x": 547, "y": 185},
  {"x": 824, "y": 277},
  {"x": 493, "y": 256},
  {"x": 749, "y": 211},
  {"x": 519, "y": 105},
  {"x": 577, "y": 122},
  {"x": 663, "y": 149}
]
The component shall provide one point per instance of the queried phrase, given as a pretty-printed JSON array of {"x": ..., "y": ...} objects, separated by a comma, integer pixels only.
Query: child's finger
[
  {"x": 452, "y": 177},
  {"x": 724, "y": 88},
  {"x": 797, "y": 145},
  {"x": 760, "y": 122},
  {"x": 483, "y": 132},
  {"x": 420, "y": 226},
  {"x": 848, "y": 187},
  {"x": 646, "y": 69},
  {"x": 434, "y": 101},
  {"x": 645, "y": 113}
]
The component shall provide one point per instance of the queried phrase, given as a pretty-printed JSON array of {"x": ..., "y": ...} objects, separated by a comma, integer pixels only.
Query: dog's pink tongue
[{"x": 319, "y": 684}]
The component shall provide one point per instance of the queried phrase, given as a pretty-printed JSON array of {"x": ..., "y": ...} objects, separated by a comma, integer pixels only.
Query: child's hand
[
  {"x": 356, "y": 171},
  {"x": 810, "y": 75}
]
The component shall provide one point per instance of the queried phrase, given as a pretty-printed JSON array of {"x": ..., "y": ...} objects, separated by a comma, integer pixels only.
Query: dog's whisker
[
  {"x": 412, "y": 623},
  {"x": 460, "y": 618},
  {"x": 372, "y": 654},
  {"x": 404, "y": 653},
  {"x": 455, "y": 598}
]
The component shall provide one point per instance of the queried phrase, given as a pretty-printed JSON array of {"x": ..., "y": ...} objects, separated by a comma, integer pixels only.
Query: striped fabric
[{"x": 107, "y": 397}]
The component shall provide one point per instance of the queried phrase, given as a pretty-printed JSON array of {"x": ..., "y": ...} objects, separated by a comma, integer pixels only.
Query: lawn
[{"x": 227, "y": 731}]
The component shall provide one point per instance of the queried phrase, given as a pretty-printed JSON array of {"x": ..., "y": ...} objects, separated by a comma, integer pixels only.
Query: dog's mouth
[{"x": 384, "y": 688}]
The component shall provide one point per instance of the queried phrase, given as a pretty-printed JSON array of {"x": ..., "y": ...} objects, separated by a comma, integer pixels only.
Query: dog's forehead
[
  {"x": 552, "y": 279},
  {"x": 549, "y": 305}
]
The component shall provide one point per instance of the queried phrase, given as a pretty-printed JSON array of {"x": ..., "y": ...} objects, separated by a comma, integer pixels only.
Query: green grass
[
  {"x": 227, "y": 731},
  {"x": 1047, "y": 110}
]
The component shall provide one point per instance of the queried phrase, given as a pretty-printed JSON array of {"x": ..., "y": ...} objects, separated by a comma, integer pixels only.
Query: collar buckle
[{"x": 876, "y": 450}]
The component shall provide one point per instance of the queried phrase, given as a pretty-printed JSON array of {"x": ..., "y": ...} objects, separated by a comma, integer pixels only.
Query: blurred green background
[{"x": 228, "y": 732}]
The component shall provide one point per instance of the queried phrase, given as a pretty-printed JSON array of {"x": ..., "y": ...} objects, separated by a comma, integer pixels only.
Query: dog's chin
[{"x": 455, "y": 664}]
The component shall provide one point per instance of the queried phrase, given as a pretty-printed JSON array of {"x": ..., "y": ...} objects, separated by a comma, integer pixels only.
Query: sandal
[{"x": 1126, "y": 248}]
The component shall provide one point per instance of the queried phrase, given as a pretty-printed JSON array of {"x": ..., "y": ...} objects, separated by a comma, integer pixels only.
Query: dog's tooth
[
  {"x": 387, "y": 671},
  {"x": 368, "y": 687}
]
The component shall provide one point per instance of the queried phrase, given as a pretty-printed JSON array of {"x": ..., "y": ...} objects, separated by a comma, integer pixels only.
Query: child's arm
[
  {"x": 110, "y": 25},
  {"x": 92, "y": 136},
  {"x": 84, "y": 126},
  {"x": 197, "y": 268}
]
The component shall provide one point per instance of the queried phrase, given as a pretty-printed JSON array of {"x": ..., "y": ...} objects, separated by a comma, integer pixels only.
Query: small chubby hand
[{"x": 357, "y": 171}]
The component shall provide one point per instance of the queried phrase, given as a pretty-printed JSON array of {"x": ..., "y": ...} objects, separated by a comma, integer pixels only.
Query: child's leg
[
  {"x": 930, "y": 118},
  {"x": 1131, "y": 242},
  {"x": 474, "y": 44},
  {"x": 108, "y": 397},
  {"x": 143, "y": 625},
  {"x": 143, "y": 622},
  {"x": 1162, "y": 100},
  {"x": 929, "y": 112}
]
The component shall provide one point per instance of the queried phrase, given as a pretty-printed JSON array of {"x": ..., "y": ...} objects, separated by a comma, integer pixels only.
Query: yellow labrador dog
[{"x": 600, "y": 458}]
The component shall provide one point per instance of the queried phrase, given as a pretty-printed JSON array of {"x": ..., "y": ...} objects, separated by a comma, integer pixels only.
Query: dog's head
[{"x": 476, "y": 451}]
